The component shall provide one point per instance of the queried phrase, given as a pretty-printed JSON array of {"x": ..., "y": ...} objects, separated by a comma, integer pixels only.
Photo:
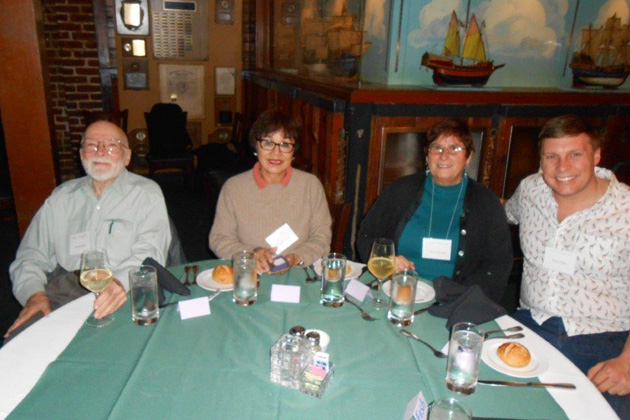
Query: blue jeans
[{"x": 585, "y": 350}]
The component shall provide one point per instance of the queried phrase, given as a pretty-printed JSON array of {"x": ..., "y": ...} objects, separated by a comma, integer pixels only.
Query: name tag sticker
[
  {"x": 417, "y": 409},
  {"x": 559, "y": 260},
  {"x": 436, "y": 249},
  {"x": 79, "y": 243},
  {"x": 192, "y": 308}
]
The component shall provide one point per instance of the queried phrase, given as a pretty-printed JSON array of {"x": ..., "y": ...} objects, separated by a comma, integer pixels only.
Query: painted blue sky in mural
[{"x": 529, "y": 36}]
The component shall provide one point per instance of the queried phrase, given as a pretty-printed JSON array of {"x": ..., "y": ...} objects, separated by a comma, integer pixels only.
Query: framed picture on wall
[
  {"x": 225, "y": 80},
  {"x": 183, "y": 85}
]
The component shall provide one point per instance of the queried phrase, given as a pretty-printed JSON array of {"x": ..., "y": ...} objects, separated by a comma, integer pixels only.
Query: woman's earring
[{"x": 255, "y": 153}]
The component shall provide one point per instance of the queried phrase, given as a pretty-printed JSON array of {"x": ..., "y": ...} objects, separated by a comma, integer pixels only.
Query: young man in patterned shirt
[{"x": 574, "y": 220}]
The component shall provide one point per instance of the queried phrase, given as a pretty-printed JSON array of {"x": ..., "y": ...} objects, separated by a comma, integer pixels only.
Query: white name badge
[
  {"x": 436, "y": 249},
  {"x": 559, "y": 260},
  {"x": 79, "y": 243}
]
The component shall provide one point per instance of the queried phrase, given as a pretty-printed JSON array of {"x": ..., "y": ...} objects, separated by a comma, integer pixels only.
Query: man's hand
[
  {"x": 38, "y": 302},
  {"x": 612, "y": 376},
  {"x": 110, "y": 300}
]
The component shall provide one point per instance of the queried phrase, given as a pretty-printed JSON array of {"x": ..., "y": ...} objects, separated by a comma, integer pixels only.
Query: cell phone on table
[{"x": 279, "y": 263}]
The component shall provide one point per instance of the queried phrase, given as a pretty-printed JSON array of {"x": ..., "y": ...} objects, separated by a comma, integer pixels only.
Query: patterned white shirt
[{"x": 596, "y": 297}]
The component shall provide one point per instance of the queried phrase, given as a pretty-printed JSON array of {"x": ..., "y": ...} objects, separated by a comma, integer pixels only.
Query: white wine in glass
[
  {"x": 96, "y": 275},
  {"x": 381, "y": 265}
]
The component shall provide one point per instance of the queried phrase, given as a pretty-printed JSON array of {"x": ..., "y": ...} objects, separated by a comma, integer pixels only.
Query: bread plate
[
  {"x": 205, "y": 281},
  {"x": 537, "y": 366},
  {"x": 355, "y": 269},
  {"x": 424, "y": 292}
]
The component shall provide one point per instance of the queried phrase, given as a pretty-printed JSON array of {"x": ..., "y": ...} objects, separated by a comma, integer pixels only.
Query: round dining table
[{"x": 217, "y": 365}]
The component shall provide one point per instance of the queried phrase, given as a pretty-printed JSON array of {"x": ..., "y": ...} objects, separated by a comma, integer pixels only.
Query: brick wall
[{"x": 73, "y": 68}]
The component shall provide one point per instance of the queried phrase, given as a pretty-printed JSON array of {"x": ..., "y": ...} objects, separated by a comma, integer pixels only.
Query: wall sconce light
[
  {"x": 132, "y": 17},
  {"x": 132, "y": 14}
]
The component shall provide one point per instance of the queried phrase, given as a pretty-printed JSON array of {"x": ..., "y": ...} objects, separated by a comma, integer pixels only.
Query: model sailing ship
[
  {"x": 461, "y": 66},
  {"x": 604, "y": 58},
  {"x": 333, "y": 44}
]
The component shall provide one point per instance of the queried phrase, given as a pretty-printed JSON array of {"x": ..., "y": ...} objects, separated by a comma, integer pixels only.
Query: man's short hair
[
  {"x": 452, "y": 127},
  {"x": 568, "y": 125}
]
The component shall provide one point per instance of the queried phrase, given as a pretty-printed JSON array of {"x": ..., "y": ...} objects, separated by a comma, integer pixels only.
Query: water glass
[
  {"x": 333, "y": 274},
  {"x": 402, "y": 297},
  {"x": 245, "y": 278},
  {"x": 144, "y": 295},
  {"x": 464, "y": 358},
  {"x": 449, "y": 409}
]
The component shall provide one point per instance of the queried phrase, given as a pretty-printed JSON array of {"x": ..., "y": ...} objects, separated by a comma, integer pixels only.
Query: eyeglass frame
[
  {"x": 452, "y": 150},
  {"x": 279, "y": 145},
  {"x": 101, "y": 142}
]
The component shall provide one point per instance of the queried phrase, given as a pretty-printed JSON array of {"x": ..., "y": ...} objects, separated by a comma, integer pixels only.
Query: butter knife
[{"x": 532, "y": 384}]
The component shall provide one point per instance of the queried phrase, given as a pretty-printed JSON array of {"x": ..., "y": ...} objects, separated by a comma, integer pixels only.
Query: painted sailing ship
[
  {"x": 604, "y": 57},
  {"x": 461, "y": 66}
]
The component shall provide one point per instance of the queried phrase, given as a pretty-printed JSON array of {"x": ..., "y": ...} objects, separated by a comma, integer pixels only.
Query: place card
[
  {"x": 282, "y": 238},
  {"x": 417, "y": 409},
  {"x": 193, "y": 308},
  {"x": 284, "y": 293},
  {"x": 357, "y": 290}
]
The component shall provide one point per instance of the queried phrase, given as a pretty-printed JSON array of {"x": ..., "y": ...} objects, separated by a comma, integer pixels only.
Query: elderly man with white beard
[{"x": 110, "y": 208}]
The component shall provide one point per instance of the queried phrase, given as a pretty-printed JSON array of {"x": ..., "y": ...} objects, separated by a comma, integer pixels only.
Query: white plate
[
  {"x": 537, "y": 366},
  {"x": 355, "y": 269},
  {"x": 205, "y": 281},
  {"x": 424, "y": 292}
]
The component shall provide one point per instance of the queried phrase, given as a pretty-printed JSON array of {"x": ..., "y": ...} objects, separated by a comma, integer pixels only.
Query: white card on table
[
  {"x": 417, "y": 408},
  {"x": 436, "y": 249},
  {"x": 357, "y": 290},
  {"x": 79, "y": 243},
  {"x": 559, "y": 260},
  {"x": 284, "y": 293},
  {"x": 193, "y": 308},
  {"x": 282, "y": 238}
]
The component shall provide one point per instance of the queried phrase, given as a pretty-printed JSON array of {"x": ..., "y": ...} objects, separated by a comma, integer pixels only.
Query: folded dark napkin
[
  {"x": 166, "y": 280},
  {"x": 463, "y": 303}
]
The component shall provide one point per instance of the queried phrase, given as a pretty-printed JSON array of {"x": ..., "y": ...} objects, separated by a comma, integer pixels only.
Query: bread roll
[
  {"x": 223, "y": 274},
  {"x": 514, "y": 354}
]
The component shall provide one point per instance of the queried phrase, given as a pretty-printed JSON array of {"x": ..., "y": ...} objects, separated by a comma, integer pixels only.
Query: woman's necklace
[{"x": 454, "y": 209}]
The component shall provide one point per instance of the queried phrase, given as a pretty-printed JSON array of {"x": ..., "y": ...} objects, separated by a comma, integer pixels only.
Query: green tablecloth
[{"x": 218, "y": 367}]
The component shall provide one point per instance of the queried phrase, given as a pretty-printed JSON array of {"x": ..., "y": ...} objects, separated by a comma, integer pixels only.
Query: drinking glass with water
[
  {"x": 464, "y": 358},
  {"x": 245, "y": 278},
  {"x": 333, "y": 274}
]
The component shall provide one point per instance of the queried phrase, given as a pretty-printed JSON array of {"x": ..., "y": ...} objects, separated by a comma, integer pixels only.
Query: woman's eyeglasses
[
  {"x": 112, "y": 146},
  {"x": 269, "y": 145},
  {"x": 436, "y": 149}
]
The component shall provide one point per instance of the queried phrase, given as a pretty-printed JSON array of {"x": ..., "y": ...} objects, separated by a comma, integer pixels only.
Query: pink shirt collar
[{"x": 262, "y": 183}]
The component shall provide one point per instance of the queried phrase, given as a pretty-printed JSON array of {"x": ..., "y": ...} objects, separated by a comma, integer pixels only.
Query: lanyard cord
[{"x": 454, "y": 209}]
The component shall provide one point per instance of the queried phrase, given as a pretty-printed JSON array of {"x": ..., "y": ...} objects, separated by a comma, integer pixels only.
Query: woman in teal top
[{"x": 442, "y": 222}]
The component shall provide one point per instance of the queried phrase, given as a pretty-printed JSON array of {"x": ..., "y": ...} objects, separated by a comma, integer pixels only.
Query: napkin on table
[
  {"x": 463, "y": 303},
  {"x": 166, "y": 280}
]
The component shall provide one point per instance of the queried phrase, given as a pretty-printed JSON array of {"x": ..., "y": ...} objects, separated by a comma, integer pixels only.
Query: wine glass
[
  {"x": 96, "y": 274},
  {"x": 381, "y": 265}
]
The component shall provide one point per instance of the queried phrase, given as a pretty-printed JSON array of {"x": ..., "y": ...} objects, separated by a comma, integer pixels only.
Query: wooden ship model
[
  {"x": 604, "y": 57},
  {"x": 467, "y": 65}
]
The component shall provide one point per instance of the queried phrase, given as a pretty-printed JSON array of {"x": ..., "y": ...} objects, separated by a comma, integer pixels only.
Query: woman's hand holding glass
[{"x": 403, "y": 263}]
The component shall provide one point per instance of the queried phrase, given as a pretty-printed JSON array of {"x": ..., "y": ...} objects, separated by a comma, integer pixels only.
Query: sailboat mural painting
[
  {"x": 604, "y": 58},
  {"x": 461, "y": 66}
]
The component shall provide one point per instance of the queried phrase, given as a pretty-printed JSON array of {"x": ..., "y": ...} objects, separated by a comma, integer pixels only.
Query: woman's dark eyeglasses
[{"x": 269, "y": 145}]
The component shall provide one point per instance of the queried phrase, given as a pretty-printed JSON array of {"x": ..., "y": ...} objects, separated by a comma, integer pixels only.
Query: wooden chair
[
  {"x": 120, "y": 118},
  {"x": 340, "y": 214}
]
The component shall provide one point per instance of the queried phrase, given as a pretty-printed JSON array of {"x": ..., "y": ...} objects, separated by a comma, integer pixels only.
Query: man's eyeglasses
[
  {"x": 436, "y": 149},
  {"x": 269, "y": 145},
  {"x": 111, "y": 145}
]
